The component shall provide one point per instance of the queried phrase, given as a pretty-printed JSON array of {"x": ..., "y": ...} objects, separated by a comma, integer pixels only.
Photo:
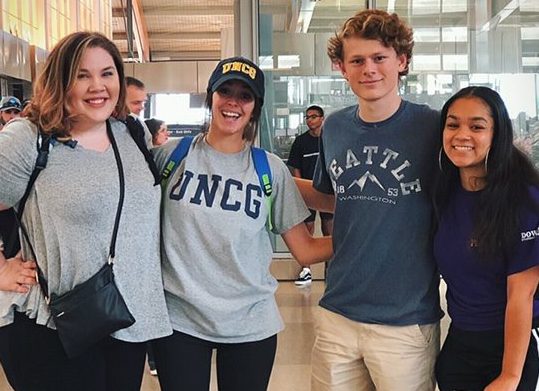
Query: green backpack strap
[
  {"x": 262, "y": 167},
  {"x": 176, "y": 157}
]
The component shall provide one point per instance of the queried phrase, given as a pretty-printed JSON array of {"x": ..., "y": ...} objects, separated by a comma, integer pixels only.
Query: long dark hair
[{"x": 509, "y": 175}]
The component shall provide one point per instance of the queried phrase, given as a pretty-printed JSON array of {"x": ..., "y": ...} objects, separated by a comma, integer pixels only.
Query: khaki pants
[{"x": 355, "y": 356}]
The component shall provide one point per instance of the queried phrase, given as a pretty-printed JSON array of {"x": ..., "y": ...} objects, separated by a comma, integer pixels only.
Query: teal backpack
[{"x": 260, "y": 160}]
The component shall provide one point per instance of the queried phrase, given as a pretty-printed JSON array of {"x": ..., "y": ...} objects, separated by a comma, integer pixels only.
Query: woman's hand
[
  {"x": 503, "y": 383},
  {"x": 521, "y": 287},
  {"x": 17, "y": 275}
]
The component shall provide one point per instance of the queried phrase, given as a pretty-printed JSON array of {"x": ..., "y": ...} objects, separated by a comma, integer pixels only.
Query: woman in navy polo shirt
[{"x": 487, "y": 248}]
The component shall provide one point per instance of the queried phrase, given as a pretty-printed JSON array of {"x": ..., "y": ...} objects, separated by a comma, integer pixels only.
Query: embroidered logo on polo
[
  {"x": 529, "y": 235},
  {"x": 365, "y": 177},
  {"x": 236, "y": 196}
]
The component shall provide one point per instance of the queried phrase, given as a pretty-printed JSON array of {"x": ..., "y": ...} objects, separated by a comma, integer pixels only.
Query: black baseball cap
[{"x": 238, "y": 68}]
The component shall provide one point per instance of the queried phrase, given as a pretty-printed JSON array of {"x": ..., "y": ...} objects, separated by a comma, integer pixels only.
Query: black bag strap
[
  {"x": 136, "y": 130},
  {"x": 112, "y": 250},
  {"x": 43, "y": 146},
  {"x": 42, "y": 164}
]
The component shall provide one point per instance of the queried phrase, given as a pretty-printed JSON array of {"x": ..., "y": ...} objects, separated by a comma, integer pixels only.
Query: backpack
[
  {"x": 9, "y": 232},
  {"x": 137, "y": 133},
  {"x": 260, "y": 160}
]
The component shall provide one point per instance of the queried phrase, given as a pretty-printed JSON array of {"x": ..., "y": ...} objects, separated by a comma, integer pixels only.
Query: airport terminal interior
[{"x": 173, "y": 46}]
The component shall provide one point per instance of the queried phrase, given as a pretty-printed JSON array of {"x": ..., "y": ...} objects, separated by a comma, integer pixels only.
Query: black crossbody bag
[{"x": 95, "y": 308}]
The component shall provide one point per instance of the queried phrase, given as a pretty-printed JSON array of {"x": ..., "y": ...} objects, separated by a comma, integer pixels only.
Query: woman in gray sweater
[{"x": 69, "y": 217}]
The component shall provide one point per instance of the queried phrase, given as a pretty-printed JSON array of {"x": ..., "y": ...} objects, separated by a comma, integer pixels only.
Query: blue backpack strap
[
  {"x": 176, "y": 158},
  {"x": 260, "y": 159}
]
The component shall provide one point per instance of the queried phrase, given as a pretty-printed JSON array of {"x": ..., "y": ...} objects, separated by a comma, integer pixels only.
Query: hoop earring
[
  {"x": 486, "y": 162},
  {"x": 440, "y": 159}
]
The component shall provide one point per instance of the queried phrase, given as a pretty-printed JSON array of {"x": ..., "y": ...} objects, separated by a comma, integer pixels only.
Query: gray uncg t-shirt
[
  {"x": 216, "y": 248},
  {"x": 70, "y": 216},
  {"x": 383, "y": 270}
]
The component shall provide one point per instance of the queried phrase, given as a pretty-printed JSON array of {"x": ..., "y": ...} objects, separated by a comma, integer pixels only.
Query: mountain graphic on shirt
[{"x": 361, "y": 182}]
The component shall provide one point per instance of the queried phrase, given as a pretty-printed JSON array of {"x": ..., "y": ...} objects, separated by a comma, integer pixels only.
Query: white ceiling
[
  {"x": 176, "y": 29},
  {"x": 191, "y": 29}
]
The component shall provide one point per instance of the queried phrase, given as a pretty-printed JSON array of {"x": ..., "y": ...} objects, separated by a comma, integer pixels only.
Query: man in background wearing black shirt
[{"x": 302, "y": 160}]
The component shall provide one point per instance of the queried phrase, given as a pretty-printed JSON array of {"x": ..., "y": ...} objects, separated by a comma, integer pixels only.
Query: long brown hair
[{"x": 48, "y": 108}]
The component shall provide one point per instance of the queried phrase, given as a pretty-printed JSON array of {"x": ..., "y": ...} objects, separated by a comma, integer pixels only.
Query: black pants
[
  {"x": 184, "y": 363},
  {"x": 470, "y": 360},
  {"x": 34, "y": 360}
]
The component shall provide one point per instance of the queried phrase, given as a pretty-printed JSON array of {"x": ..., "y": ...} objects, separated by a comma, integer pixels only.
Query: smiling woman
[
  {"x": 70, "y": 217},
  {"x": 467, "y": 137},
  {"x": 215, "y": 199},
  {"x": 95, "y": 91},
  {"x": 486, "y": 248}
]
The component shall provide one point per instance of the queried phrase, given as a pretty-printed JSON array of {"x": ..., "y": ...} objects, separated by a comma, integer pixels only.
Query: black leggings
[
  {"x": 184, "y": 363},
  {"x": 470, "y": 360},
  {"x": 34, "y": 360}
]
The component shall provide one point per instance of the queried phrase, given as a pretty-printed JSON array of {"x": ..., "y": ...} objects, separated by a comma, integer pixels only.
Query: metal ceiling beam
[
  {"x": 509, "y": 8},
  {"x": 184, "y": 56},
  {"x": 142, "y": 29},
  {"x": 118, "y": 12},
  {"x": 193, "y": 10},
  {"x": 121, "y": 35}
]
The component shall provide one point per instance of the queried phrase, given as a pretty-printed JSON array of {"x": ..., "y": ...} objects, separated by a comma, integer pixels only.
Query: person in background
[
  {"x": 25, "y": 103},
  {"x": 375, "y": 169},
  {"x": 487, "y": 248},
  {"x": 136, "y": 96},
  {"x": 158, "y": 130},
  {"x": 69, "y": 218},
  {"x": 10, "y": 107},
  {"x": 302, "y": 160},
  {"x": 216, "y": 247}
]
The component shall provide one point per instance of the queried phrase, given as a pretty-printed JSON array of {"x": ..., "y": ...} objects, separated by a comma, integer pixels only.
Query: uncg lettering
[
  {"x": 240, "y": 67},
  {"x": 235, "y": 196}
]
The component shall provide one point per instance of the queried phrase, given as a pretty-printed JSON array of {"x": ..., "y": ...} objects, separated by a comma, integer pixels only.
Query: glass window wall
[{"x": 457, "y": 43}]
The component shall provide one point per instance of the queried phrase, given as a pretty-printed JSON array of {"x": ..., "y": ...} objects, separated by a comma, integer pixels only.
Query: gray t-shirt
[
  {"x": 383, "y": 270},
  {"x": 69, "y": 217},
  {"x": 216, "y": 248}
]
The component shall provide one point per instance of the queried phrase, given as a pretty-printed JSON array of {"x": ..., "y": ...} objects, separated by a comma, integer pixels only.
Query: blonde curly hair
[{"x": 387, "y": 28}]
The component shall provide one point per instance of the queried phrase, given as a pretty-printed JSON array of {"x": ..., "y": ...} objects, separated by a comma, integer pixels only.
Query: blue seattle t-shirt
[
  {"x": 383, "y": 270},
  {"x": 477, "y": 289}
]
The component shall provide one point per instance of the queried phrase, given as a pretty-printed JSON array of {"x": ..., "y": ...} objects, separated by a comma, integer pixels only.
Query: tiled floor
[{"x": 292, "y": 366}]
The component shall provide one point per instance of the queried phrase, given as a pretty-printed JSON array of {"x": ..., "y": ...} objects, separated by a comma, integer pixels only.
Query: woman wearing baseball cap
[{"x": 216, "y": 248}]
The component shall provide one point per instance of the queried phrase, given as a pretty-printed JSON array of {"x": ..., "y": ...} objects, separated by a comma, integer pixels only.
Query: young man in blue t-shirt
[
  {"x": 302, "y": 160},
  {"x": 378, "y": 323}
]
